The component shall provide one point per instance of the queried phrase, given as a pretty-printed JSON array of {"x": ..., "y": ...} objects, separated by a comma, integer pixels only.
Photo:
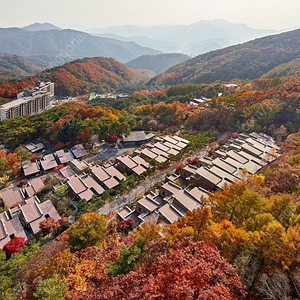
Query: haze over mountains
[
  {"x": 245, "y": 61},
  {"x": 55, "y": 47},
  {"x": 193, "y": 39}
]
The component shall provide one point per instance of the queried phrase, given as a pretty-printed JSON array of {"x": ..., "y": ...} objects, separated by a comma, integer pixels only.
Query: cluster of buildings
[
  {"x": 247, "y": 153},
  {"x": 50, "y": 161},
  {"x": 97, "y": 179},
  {"x": 25, "y": 211},
  {"x": 29, "y": 102}
]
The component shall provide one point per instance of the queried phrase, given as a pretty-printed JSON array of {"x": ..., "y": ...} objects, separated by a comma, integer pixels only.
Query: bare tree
[{"x": 275, "y": 287}]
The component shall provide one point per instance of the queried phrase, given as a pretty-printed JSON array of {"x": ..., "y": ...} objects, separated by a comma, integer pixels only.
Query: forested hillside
[
  {"x": 157, "y": 63},
  {"x": 13, "y": 66},
  {"x": 245, "y": 61},
  {"x": 81, "y": 77},
  {"x": 288, "y": 69}
]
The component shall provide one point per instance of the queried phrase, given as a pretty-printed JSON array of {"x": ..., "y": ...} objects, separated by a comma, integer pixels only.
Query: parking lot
[{"x": 107, "y": 151}]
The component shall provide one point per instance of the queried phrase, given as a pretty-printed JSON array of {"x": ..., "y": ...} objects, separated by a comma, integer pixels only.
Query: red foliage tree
[
  {"x": 192, "y": 160},
  {"x": 59, "y": 146},
  {"x": 21, "y": 182},
  {"x": 126, "y": 225},
  {"x": 13, "y": 246},
  {"x": 192, "y": 270},
  {"x": 49, "y": 225},
  {"x": 57, "y": 168},
  {"x": 112, "y": 138},
  {"x": 34, "y": 158}
]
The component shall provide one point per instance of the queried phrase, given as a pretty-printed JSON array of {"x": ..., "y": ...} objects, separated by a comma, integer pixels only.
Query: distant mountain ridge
[
  {"x": 214, "y": 34},
  {"x": 55, "y": 47},
  {"x": 245, "y": 61},
  {"x": 157, "y": 63},
  {"x": 41, "y": 26}
]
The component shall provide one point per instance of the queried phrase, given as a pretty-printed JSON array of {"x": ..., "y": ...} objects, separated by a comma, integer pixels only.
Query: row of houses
[
  {"x": 248, "y": 153},
  {"x": 25, "y": 211},
  {"x": 97, "y": 179},
  {"x": 50, "y": 161}
]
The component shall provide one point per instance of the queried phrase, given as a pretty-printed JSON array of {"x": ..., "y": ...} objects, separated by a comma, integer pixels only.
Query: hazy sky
[{"x": 274, "y": 14}]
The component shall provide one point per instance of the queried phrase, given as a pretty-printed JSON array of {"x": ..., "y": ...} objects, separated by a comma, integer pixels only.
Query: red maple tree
[
  {"x": 13, "y": 246},
  {"x": 191, "y": 270}
]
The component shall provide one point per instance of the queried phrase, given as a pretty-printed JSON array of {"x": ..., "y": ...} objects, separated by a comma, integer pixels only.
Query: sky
[{"x": 264, "y": 14}]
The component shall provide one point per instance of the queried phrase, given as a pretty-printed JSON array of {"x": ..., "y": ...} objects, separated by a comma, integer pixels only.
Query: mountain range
[
  {"x": 245, "y": 61},
  {"x": 193, "y": 39},
  {"x": 56, "y": 47}
]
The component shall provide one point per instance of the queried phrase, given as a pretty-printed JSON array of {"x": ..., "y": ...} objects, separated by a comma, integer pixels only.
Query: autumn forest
[{"x": 243, "y": 243}]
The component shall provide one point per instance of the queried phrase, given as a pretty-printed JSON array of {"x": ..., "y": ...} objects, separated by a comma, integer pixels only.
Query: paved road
[{"x": 123, "y": 200}]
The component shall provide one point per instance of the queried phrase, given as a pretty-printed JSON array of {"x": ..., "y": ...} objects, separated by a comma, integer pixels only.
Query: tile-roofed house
[
  {"x": 78, "y": 151},
  {"x": 206, "y": 179},
  {"x": 180, "y": 139},
  {"x": 99, "y": 173},
  {"x": 63, "y": 157},
  {"x": 198, "y": 193},
  {"x": 250, "y": 166},
  {"x": 162, "y": 147},
  {"x": 222, "y": 164},
  {"x": 137, "y": 137},
  {"x": 86, "y": 195},
  {"x": 172, "y": 146},
  {"x": 168, "y": 189},
  {"x": 138, "y": 170},
  {"x": 67, "y": 172},
  {"x": 147, "y": 154},
  {"x": 236, "y": 156},
  {"x": 30, "y": 168},
  {"x": 188, "y": 171},
  {"x": 33, "y": 186},
  {"x": 78, "y": 165},
  {"x": 169, "y": 214},
  {"x": 76, "y": 185},
  {"x": 250, "y": 157},
  {"x": 123, "y": 214},
  {"x": 32, "y": 213},
  {"x": 10, "y": 228},
  {"x": 10, "y": 197},
  {"x": 204, "y": 161},
  {"x": 186, "y": 201},
  {"x": 142, "y": 162},
  {"x": 223, "y": 174},
  {"x": 146, "y": 205},
  {"x": 125, "y": 162},
  {"x": 173, "y": 152},
  {"x": 220, "y": 153},
  {"x": 251, "y": 150},
  {"x": 172, "y": 141},
  {"x": 33, "y": 148},
  {"x": 113, "y": 172},
  {"x": 160, "y": 152},
  {"x": 93, "y": 185},
  {"x": 111, "y": 183},
  {"x": 161, "y": 159},
  {"x": 48, "y": 162},
  {"x": 233, "y": 146}
]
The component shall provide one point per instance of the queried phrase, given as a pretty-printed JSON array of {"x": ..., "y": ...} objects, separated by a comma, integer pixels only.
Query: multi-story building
[{"x": 29, "y": 102}]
